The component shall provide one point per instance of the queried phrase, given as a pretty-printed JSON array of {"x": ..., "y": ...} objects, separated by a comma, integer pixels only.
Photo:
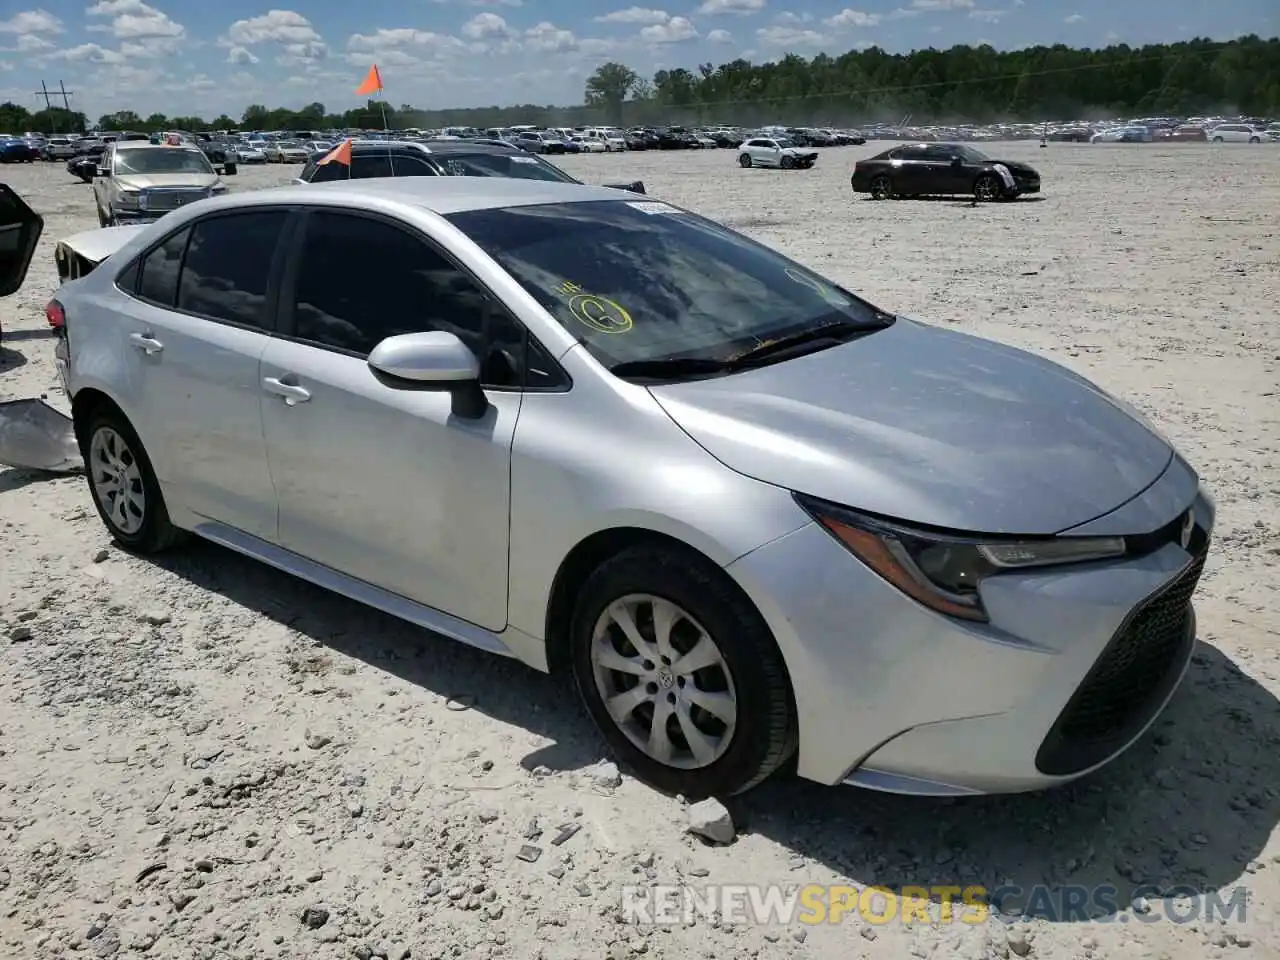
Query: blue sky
[{"x": 184, "y": 57}]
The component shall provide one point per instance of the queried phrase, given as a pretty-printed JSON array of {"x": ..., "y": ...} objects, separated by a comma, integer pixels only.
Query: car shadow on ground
[
  {"x": 17, "y": 335},
  {"x": 1185, "y": 811},
  {"x": 11, "y": 359}
]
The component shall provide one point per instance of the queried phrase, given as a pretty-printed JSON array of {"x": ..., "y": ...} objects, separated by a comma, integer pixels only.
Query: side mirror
[
  {"x": 636, "y": 186},
  {"x": 20, "y": 229},
  {"x": 957, "y": 162},
  {"x": 436, "y": 361}
]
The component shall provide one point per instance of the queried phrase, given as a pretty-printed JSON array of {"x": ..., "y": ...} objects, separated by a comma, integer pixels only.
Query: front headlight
[
  {"x": 128, "y": 198},
  {"x": 943, "y": 570}
]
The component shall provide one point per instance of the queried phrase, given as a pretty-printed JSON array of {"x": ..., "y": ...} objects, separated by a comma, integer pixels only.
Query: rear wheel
[
  {"x": 1255, "y": 140},
  {"x": 881, "y": 187},
  {"x": 744, "y": 161},
  {"x": 681, "y": 673},
  {"x": 1217, "y": 139},
  {"x": 124, "y": 487}
]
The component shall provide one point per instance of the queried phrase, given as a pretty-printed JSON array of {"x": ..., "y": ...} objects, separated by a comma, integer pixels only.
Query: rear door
[{"x": 197, "y": 321}]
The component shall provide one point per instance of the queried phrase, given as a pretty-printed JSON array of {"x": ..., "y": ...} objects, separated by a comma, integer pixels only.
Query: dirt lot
[{"x": 196, "y": 751}]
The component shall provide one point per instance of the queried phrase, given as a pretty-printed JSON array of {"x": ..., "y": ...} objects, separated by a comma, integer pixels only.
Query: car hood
[
  {"x": 138, "y": 181},
  {"x": 799, "y": 151},
  {"x": 931, "y": 426}
]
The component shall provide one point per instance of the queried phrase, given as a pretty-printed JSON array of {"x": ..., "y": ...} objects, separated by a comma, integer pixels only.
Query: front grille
[
  {"x": 160, "y": 201},
  {"x": 1128, "y": 683}
]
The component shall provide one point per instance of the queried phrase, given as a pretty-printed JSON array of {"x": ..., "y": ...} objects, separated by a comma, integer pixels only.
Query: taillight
[{"x": 56, "y": 316}]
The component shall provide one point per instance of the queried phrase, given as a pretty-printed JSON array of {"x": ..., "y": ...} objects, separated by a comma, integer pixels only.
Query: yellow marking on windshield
[
  {"x": 599, "y": 313},
  {"x": 817, "y": 286}
]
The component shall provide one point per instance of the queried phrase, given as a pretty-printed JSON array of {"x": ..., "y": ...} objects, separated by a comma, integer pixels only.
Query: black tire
[
  {"x": 156, "y": 533},
  {"x": 986, "y": 188},
  {"x": 788, "y": 163},
  {"x": 1217, "y": 139},
  {"x": 764, "y": 736},
  {"x": 881, "y": 187},
  {"x": 1254, "y": 140},
  {"x": 744, "y": 161}
]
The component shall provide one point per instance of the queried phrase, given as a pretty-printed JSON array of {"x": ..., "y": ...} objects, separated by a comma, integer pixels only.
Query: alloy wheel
[
  {"x": 986, "y": 188},
  {"x": 881, "y": 188},
  {"x": 116, "y": 478},
  {"x": 664, "y": 681}
]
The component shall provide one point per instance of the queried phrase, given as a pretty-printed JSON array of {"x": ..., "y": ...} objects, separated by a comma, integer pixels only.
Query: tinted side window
[
  {"x": 159, "y": 280},
  {"x": 362, "y": 280},
  {"x": 403, "y": 165},
  {"x": 370, "y": 165},
  {"x": 228, "y": 264}
]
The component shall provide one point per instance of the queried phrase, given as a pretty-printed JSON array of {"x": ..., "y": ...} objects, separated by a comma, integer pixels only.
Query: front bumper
[{"x": 893, "y": 696}]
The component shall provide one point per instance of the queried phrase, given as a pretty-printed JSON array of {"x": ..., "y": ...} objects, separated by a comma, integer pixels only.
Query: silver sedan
[{"x": 755, "y": 516}]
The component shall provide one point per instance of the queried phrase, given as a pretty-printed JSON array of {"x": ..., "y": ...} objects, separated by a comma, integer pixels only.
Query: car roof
[
  {"x": 146, "y": 145},
  {"x": 442, "y": 195}
]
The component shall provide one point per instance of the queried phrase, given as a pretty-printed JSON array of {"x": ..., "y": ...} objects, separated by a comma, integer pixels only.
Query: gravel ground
[{"x": 200, "y": 757}]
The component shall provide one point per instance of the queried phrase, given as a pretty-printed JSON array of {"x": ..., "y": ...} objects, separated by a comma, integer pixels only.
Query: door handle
[
  {"x": 146, "y": 343},
  {"x": 291, "y": 392}
]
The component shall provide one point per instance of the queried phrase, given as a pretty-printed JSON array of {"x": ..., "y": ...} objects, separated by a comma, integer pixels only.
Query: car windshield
[
  {"x": 512, "y": 166},
  {"x": 784, "y": 142},
  {"x": 162, "y": 161},
  {"x": 643, "y": 281},
  {"x": 969, "y": 154}
]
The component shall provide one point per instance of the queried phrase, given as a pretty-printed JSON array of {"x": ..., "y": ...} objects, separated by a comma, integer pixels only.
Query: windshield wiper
[
  {"x": 663, "y": 367},
  {"x": 838, "y": 330}
]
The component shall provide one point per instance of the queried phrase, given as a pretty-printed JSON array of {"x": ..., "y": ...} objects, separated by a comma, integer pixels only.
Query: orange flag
[
  {"x": 372, "y": 83},
  {"x": 339, "y": 154}
]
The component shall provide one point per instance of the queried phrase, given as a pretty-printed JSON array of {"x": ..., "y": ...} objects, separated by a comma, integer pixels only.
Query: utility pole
[{"x": 44, "y": 94}]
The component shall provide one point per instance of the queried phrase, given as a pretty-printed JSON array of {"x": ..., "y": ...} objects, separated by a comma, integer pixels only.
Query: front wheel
[
  {"x": 124, "y": 487},
  {"x": 681, "y": 673},
  {"x": 986, "y": 188},
  {"x": 788, "y": 163},
  {"x": 1254, "y": 140},
  {"x": 744, "y": 161},
  {"x": 1217, "y": 139}
]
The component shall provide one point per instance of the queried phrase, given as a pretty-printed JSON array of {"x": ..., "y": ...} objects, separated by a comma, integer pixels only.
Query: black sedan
[{"x": 921, "y": 169}]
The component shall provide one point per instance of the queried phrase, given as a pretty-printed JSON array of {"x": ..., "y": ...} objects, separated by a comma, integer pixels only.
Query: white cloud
[
  {"x": 485, "y": 26},
  {"x": 241, "y": 55},
  {"x": 712, "y": 8},
  {"x": 1074, "y": 18},
  {"x": 274, "y": 26},
  {"x": 635, "y": 15},
  {"x": 789, "y": 37},
  {"x": 943, "y": 4},
  {"x": 853, "y": 18},
  {"x": 549, "y": 38},
  {"x": 88, "y": 53},
  {"x": 675, "y": 30},
  {"x": 792, "y": 19},
  {"x": 32, "y": 43},
  {"x": 720, "y": 36},
  {"x": 988, "y": 16},
  {"x": 31, "y": 21}
]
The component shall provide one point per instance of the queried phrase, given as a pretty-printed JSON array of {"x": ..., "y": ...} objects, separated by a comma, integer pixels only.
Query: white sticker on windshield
[
  {"x": 651, "y": 206},
  {"x": 523, "y": 160}
]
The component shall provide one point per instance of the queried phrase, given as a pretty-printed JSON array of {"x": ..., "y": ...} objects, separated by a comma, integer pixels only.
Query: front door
[
  {"x": 196, "y": 327},
  {"x": 382, "y": 484}
]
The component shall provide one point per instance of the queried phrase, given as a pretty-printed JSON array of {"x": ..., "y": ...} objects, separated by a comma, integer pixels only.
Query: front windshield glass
[
  {"x": 640, "y": 280},
  {"x": 969, "y": 154},
  {"x": 512, "y": 166},
  {"x": 162, "y": 161},
  {"x": 784, "y": 142}
]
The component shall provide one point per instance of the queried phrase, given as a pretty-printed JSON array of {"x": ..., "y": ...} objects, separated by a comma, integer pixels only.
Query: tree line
[{"x": 975, "y": 84}]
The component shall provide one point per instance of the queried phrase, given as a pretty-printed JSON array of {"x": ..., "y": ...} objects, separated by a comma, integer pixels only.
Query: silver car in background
[
  {"x": 138, "y": 182},
  {"x": 753, "y": 515}
]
